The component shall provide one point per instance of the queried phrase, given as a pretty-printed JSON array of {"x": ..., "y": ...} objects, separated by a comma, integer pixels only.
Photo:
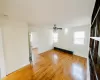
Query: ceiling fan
[{"x": 56, "y": 28}]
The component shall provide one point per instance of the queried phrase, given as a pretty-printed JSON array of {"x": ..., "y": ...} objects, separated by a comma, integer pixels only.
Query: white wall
[
  {"x": 2, "y": 61},
  {"x": 66, "y": 41},
  {"x": 45, "y": 38},
  {"x": 15, "y": 41}
]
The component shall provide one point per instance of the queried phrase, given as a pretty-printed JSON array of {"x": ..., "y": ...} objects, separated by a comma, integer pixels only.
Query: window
[
  {"x": 55, "y": 37},
  {"x": 66, "y": 30},
  {"x": 79, "y": 37}
]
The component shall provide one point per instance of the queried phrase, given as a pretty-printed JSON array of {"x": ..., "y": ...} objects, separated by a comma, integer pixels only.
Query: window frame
[{"x": 77, "y": 38}]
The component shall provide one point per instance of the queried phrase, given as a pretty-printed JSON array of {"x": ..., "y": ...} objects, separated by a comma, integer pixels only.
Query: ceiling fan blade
[{"x": 59, "y": 28}]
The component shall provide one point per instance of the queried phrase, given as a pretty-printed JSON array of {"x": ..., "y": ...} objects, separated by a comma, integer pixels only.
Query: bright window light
[
  {"x": 31, "y": 37},
  {"x": 55, "y": 37},
  {"x": 66, "y": 30},
  {"x": 79, "y": 37}
]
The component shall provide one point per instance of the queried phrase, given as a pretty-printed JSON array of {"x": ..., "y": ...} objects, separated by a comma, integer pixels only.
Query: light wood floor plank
[{"x": 52, "y": 65}]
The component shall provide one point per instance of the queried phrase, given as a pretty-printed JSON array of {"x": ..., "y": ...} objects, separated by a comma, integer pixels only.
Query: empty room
[{"x": 49, "y": 40}]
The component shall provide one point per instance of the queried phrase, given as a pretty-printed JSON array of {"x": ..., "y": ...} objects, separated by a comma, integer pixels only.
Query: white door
[{"x": 2, "y": 62}]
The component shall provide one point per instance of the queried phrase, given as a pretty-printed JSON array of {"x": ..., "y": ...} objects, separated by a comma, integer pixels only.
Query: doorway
[
  {"x": 35, "y": 51},
  {"x": 33, "y": 46},
  {"x": 34, "y": 42}
]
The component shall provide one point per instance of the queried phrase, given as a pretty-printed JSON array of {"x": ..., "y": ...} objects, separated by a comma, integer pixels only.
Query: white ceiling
[{"x": 49, "y": 12}]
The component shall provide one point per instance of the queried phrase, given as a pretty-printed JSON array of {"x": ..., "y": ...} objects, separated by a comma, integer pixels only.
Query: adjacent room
[
  {"x": 49, "y": 39},
  {"x": 61, "y": 51}
]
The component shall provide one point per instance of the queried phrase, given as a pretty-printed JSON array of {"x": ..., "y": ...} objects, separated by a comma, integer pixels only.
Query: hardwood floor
[{"x": 53, "y": 65}]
